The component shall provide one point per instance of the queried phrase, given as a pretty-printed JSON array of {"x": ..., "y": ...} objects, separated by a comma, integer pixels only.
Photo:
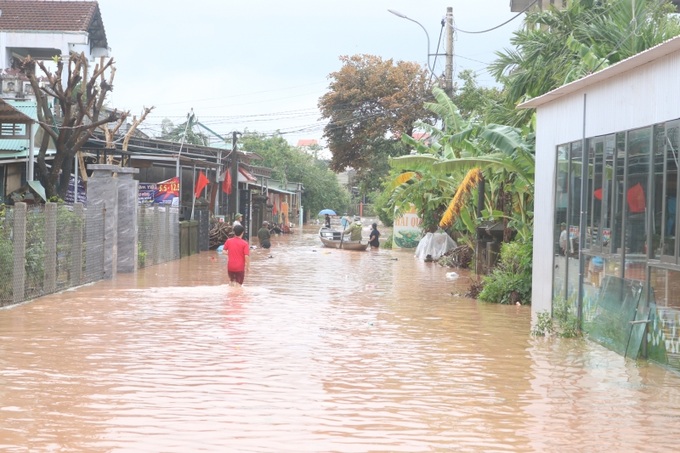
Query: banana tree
[{"x": 499, "y": 155}]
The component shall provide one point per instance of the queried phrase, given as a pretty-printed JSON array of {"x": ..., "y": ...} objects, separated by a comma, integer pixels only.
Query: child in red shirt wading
[{"x": 238, "y": 256}]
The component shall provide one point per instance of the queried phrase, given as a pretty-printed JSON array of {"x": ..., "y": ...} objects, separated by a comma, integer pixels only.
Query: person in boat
[
  {"x": 327, "y": 222},
  {"x": 344, "y": 221},
  {"x": 353, "y": 231}
]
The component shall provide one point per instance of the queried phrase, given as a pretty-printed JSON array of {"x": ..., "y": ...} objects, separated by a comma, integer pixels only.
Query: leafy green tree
[
  {"x": 472, "y": 100},
  {"x": 321, "y": 187},
  {"x": 184, "y": 131},
  {"x": 559, "y": 46},
  {"x": 371, "y": 103}
]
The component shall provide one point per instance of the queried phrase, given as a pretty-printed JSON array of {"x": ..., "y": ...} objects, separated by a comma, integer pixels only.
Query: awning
[
  {"x": 38, "y": 188},
  {"x": 245, "y": 175}
]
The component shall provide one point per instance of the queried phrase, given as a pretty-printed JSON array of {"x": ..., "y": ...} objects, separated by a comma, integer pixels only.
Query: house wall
[
  {"x": 14, "y": 177},
  {"x": 65, "y": 42},
  {"x": 644, "y": 96}
]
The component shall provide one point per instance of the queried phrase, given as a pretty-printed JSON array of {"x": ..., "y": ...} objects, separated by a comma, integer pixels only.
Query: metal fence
[
  {"x": 158, "y": 235},
  {"x": 52, "y": 247}
]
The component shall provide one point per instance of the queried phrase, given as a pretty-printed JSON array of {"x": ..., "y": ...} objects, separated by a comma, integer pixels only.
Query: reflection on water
[{"x": 322, "y": 351}]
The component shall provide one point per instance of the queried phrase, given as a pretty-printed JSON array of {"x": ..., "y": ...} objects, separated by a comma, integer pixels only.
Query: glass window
[
  {"x": 560, "y": 226},
  {"x": 573, "y": 218},
  {"x": 638, "y": 158},
  {"x": 667, "y": 184},
  {"x": 595, "y": 194},
  {"x": 618, "y": 193}
]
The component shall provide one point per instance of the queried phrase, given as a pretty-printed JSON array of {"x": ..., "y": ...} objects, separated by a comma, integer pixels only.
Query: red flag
[
  {"x": 200, "y": 184},
  {"x": 226, "y": 184}
]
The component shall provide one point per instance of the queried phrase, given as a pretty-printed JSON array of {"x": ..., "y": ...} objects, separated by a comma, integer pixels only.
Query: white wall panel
[{"x": 647, "y": 95}]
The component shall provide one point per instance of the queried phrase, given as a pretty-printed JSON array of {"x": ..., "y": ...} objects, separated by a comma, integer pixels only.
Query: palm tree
[{"x": 560, "y": 46}]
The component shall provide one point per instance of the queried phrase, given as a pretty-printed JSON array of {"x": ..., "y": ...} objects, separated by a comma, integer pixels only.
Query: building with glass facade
[{"x": 607, "y": 153}]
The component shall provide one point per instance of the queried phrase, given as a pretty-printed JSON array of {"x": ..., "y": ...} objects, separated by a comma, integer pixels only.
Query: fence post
[
  {"x": 128, "y": 232},
  {"x": 102, "y": 197},
  {"x": 19, "y": 280},
  {"x": 50, "y": 283},
  {"x": 77, "y": 246}
]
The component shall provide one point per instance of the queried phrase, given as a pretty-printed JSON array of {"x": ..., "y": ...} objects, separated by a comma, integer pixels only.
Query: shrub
[
  {"x": 563, "y": 323},
  {"x": 510, "y": 281}
]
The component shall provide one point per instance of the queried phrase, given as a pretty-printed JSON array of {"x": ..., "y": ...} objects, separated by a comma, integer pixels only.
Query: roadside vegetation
[{"x": 466, "y": 160}]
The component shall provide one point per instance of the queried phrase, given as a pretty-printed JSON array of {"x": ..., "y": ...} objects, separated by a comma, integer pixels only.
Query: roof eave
[{"x": 651, "y": 54}]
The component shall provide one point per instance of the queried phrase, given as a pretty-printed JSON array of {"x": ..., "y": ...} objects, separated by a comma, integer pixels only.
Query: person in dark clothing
[
  {"x": 327, "y": 222},
  {"x": 264, "y": 236},
  {"x": 374, "y": 238}
]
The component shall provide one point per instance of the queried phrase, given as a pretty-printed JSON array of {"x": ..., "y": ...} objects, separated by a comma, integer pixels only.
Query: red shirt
[{"x": 237, "y": 249}]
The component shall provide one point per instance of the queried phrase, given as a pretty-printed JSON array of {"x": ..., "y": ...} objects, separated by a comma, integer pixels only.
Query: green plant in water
[
  {"x": 388, "y": 243},
  {"x": 510, "y": 282},
  {"x": 544, "y": 326},
  {"x": 141, "y": 255},
  {"x": 563, "y": 323}
]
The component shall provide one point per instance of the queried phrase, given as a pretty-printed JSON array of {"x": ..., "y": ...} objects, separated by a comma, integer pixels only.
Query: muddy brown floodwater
[{"x": 321, "y": 351}]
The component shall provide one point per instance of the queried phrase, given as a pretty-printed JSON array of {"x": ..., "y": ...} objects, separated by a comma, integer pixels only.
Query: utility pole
[
  {"x": 448, "y": 75},
  {"x": 233, "y": 196}
]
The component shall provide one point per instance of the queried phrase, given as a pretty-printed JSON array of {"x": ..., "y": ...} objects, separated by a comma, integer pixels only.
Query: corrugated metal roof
[
  {"x": 10, "y": 114},
  {"x": 13, "y": 146},
  {"x": 28, "y": 108},
  {"x": 16, "y": 112}
]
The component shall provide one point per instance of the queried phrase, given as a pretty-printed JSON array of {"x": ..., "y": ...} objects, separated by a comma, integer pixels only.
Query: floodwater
[{"x": 320, "y": 351}]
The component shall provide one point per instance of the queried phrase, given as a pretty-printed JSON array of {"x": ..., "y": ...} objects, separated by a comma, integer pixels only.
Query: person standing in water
[
  {"x": 374, "y": 238},
  {"x": 264, "y": 236},
  {"x": 238, "y": 256}
]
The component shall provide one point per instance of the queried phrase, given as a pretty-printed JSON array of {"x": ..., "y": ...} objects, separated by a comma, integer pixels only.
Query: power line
[{"x": 500, "y": 25}]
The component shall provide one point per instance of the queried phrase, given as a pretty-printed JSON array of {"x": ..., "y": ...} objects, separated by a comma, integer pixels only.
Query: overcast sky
[{"x": 261, "y": 65}]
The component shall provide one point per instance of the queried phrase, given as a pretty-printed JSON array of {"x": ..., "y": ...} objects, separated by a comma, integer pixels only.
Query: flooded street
[{"x": 321, "y": 351}]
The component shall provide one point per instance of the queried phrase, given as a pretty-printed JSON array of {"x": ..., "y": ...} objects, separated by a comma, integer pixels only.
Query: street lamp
[
  {"x": 404, "y": 16},
  {"x": 448, "y": 79}
]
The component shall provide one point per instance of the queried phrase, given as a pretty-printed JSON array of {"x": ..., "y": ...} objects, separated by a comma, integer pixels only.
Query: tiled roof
[{"x": 51, "y": 15}]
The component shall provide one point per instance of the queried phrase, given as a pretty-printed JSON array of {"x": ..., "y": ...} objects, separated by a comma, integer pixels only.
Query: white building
[
  {"x": 42, "y": 29},
  {"x": 621, "y": 268}
]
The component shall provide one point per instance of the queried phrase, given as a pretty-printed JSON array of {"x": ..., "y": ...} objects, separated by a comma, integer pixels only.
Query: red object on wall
[{"x": 636, "y": 199}]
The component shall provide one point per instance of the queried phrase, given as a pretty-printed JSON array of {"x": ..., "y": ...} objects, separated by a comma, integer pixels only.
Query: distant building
[
  {"x": 422, "y": 137},
  {"x": 307, "y": 143}
]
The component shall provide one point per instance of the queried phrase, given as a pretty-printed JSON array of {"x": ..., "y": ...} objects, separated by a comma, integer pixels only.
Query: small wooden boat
[{"x": 334, "y": 239}]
